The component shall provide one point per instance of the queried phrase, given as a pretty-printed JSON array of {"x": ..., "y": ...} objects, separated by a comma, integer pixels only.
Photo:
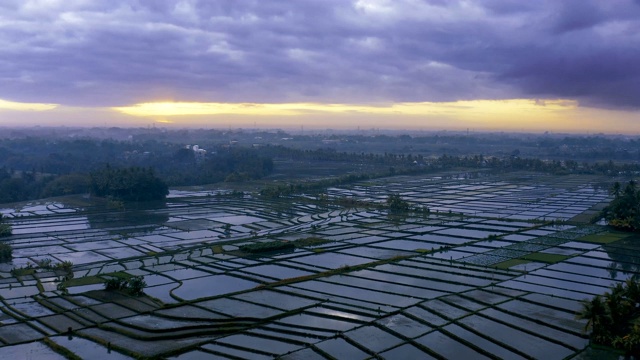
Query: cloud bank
[{"x": 122, "y": 52}]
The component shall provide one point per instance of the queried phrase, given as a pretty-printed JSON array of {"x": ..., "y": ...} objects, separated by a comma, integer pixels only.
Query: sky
[{"x": 544, "y": 65}]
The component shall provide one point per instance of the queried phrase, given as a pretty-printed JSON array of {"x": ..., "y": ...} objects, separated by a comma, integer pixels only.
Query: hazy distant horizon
[{"x": 317, "y": 131}]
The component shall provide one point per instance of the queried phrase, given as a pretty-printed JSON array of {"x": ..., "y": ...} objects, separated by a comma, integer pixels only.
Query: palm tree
[
  {"x": 616, "y": 189},
  {"x": 614, "y": 318},
  {"x": 595, "y": 312}
]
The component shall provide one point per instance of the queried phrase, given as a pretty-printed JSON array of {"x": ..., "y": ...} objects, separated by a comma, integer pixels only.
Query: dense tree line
[
  {"x": 33, "y": 167},
  {"x": 22, "y": 185},
  {"x": 128, "y": 184},
  {"x": 231, "y": 165},
  {"x": 175, "y": 165}
]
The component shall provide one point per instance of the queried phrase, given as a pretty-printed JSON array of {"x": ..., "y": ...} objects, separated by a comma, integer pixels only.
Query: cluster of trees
[
  {"x": 289, "y": 189},
  {"x": 179, "y": 168},
  {"x": 6, "y": 252},
  {"x": 624, "y": 210},
  {"x": 230, "y": 165},
  {"x": 36, "y": 167},
  {"x": 330, "y": 154},
  {"x": 128, "y": 184},
  {"x": 614, "y": 318},
  {"x": 22, "y": 185},
  {"x": 32, "y": 170},
  {"x": 134, "y": 285},
  {"x": 397, "y": 204}
]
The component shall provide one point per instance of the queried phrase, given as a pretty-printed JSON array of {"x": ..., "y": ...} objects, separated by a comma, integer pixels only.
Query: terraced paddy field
[{"x": 496, "y": 269}]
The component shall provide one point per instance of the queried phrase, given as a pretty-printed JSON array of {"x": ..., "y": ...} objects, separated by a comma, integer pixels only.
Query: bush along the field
[
  {"x": 5, "y": 229},
  {"x": 267, "y": 246},
  {"x": 6, "y": 252},
  {"x": 396, "y": 204},
  {"x": 134, "y": 285}
]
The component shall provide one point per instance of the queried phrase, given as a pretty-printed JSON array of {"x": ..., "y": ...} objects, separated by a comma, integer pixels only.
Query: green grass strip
[
  {"x": 505, "y": 265},
  {"x": 545, "y": 257},
  {"x": 87, "y": 280},
  {"x": 604, "y": 238}
]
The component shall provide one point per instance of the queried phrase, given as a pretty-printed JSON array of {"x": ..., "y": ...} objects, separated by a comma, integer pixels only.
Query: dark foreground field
[{"x": 496, "y": 269}]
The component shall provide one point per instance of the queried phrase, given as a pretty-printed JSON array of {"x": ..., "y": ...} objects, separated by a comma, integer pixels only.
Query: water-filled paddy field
[{"x": 496, "y": 269}]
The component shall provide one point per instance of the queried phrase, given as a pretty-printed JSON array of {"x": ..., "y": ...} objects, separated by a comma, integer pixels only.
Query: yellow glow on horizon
[
  {"x": 509, "y": 114},
  {"x": 460, "y": 109},
  {"x": 522, "y": 115},
  {"x": 18, "y": 106}
]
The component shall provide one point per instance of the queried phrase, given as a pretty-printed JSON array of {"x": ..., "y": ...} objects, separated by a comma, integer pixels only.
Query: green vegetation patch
[
  {"x": 604, "y": 238},
  {"x": 280, "y": 245},
  {"x": 270, "y": 246},
  {"x": 134, "y": 285},
  {"x": 87, "y": 280},
  {"x": 23, "y": 271},
  {"x": 511, "y": 263},
  {"x": 310, "y": 241},
  {"x": 127, "y": 184},
  {"x": 117, "y": 274},
  {"x": 5, "y": 229},
  {"x": 6, "y": 252},
  {"x": 545, "y": 257}
]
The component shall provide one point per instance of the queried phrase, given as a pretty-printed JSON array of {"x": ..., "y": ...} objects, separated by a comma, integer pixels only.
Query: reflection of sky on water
[{"x": 136, "y": 241}]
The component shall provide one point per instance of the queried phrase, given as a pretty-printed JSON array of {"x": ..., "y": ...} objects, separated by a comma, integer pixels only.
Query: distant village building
[
  {"x": 331, "y": 142},
  {"x": 198, "y": 153}
]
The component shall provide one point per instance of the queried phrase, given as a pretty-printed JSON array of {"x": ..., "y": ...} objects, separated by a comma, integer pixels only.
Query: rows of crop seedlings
[{"x": 376, "y": 286}]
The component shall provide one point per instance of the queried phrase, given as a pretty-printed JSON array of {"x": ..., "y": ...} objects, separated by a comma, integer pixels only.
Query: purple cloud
[{"x": 122, "y": 52}]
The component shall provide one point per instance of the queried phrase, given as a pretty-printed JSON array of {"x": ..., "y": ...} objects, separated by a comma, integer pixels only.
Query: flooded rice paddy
[{"x": 484, "y": 274}]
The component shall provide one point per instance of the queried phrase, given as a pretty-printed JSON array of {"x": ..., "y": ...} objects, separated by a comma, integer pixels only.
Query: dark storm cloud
[{"x": 121, "y": 52}]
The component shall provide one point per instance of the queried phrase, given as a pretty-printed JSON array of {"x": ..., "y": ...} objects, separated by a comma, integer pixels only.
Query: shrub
[
  {"x": 267, "y": 246},
  {"x": 62, "y": 288},
  {"x": 44, "y": 263},
  {"x": 115, "y": 284},
  {"x": 5, "y": 229},
  {"x": 6, "y": 252},
  {"x": 397, "y": 204},
  {"x": 134, "y": 286},
  {"x": 310, "y": 241},
  {"x": 65, "y": 265}
]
